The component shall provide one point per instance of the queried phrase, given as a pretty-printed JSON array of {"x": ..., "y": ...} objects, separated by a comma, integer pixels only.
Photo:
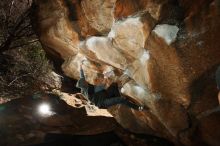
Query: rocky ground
[{"x": 22, "y": 124}]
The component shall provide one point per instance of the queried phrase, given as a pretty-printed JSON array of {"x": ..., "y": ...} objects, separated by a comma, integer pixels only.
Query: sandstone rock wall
[{"x": 169, "y": 48}]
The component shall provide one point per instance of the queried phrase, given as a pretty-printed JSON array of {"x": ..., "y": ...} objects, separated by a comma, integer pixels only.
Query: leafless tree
[
  {"x": 15, "y": 25},
  {"x": 23, "y": 62}
]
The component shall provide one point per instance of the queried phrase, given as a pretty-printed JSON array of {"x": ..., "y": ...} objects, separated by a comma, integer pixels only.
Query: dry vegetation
[{"x": 23, "y": 64}]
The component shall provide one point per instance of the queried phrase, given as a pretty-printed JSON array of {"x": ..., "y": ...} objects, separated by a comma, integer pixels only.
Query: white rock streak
[
  {"x": 167, "y": 32},
  {"x": 134, "y": 90},
  {"x": 145, "y": 57}
]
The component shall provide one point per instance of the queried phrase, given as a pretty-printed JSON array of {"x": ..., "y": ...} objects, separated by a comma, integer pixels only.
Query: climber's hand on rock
[{"x": 83, "y": 61}]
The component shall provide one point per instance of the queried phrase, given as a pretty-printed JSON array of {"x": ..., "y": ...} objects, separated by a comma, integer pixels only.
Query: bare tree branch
[
  {"x": 18, "y": 78},
  {"x": 10, "y": 7},
  {"x": 15, "y": 28},
  {"x": 24, "y": 29},
  {"x": 21, "y": 45}
]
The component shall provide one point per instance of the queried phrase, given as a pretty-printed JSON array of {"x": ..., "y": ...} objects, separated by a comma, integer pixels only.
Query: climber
[
  {"x": 217, "y": 78},
  {"x": 101, "y": 97}
]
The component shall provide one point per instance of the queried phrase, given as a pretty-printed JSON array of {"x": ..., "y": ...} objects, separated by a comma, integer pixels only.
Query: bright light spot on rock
[
  {"x": 123, "y": 90},
  {"x": 109, "y": 72},
  {"x": 167, "y": 32},
  {"x": 112, "y": 34},
  {"x": 127, "y": 72},
  {"x": 93, "y": 42},
  {"x": 44, "y": 109},
  {"x": 145, "y": 57},
  {"x": 139, "y": 91}
]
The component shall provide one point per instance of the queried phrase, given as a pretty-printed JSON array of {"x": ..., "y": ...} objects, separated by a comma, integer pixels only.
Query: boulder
[
  {"x": 54, "y": 28},
  {"x": 22, "y": 124},
  {"x": 93, "y": 70},
  {"x": 167, "y": 75},
  {"x": 169, "y": 49},
  {"x": 174, "y": 118},
  {"x": 71, "y": 68},
  {"x": 160, "y": 10},
  {"x": 99, "y": 14},
  {"x": 52, "y": 80},
  {"x": 131, "y": 41},
  {"x": 103, "y": 50}
]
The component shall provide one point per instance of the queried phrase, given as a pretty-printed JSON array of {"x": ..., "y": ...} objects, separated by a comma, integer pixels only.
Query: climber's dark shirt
[
  {"x": 102, "y": 98},
  {"x": 96, "y": 97}
]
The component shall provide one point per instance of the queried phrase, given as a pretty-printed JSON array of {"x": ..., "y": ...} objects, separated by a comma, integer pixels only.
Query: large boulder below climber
[
  {"x": 169, "y": 49},
  {"x": 65, "y": 123},
  {"x": 21, "y": 123}
]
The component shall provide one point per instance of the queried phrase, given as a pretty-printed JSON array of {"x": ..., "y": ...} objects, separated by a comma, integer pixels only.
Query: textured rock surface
[
  {"x": 170, "y": 49},
  {"x": 21, "y": 123},
  {"x": 71, "y": 122},
  {"x": 55, "y": 29},
  {"x": 99, "y": 13},
  {"x": 53, "y": 80}
]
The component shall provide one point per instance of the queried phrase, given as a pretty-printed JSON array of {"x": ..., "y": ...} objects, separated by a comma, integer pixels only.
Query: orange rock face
[
  {"x": 170, "y": 49},
  {"x": 55, "y": 29}
]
